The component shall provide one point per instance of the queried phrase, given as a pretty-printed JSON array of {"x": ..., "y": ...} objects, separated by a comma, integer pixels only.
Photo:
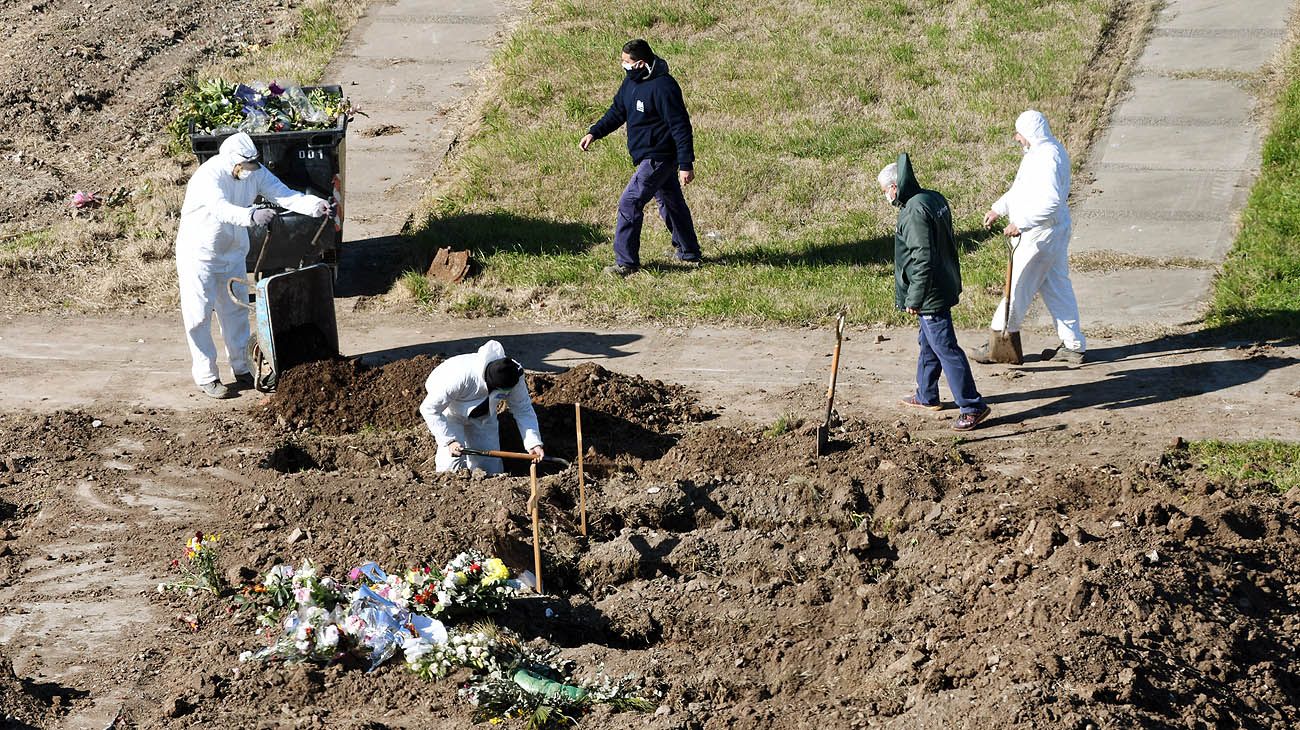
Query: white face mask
[
  {"x": 243, "y": 174},
  {"x": 629, "y": 66}
]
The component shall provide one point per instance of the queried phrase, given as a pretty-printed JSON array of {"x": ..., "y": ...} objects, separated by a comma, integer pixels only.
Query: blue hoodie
[{"x": 658, "y": 126}]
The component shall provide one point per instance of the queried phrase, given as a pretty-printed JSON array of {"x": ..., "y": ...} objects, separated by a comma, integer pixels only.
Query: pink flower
[{"x": 354, "y": 575}]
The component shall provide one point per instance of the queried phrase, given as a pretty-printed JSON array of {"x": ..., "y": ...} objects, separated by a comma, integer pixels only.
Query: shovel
[
  {"x": 824, "y": 430},
  {"x": 516, "y": 455},
  {"x": 1001, "y": 347}
]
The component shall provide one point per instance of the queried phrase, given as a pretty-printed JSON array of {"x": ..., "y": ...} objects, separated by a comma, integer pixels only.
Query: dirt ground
[
  {"x": 903, "y": 581},
  {"x": 80, "y": 90}
]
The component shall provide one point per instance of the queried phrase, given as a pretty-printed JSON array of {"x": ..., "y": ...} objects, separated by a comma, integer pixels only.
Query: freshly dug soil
[
  {"x": 19, "y": 705},
  {"x": 625, "y": 418},
  {"x": 899, "y": 583},
  {"x": 338, "y": 396},
  {"x": 80, "y": 90}
]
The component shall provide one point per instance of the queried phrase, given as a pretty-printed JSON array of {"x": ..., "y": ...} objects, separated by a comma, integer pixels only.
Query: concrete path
[
  {"x": 1176, "y": 164},
  {"x": 1185, "y": 385},
  {"x": 408, "y": 64}
]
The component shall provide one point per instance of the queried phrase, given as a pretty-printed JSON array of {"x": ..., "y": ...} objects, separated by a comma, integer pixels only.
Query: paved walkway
[
  {"x": 1175, "y": 166},
  {"x": 408, "y": 64}
]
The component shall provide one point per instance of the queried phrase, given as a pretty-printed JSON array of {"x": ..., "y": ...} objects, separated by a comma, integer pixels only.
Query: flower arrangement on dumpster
[
  {"x": 198, "y": 568},
  {"x": 376, "y": 615},
  {"x": 214, "y": 106}
]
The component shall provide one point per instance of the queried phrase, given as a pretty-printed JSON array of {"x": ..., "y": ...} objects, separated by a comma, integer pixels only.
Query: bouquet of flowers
[
  {"x": 474, "y": 649},
  {"x": 310, "y": 632},
  {"x": 199, "y": 567},
  {"x": 213, "y": 106},
  {"x": 472, "y": 582}
]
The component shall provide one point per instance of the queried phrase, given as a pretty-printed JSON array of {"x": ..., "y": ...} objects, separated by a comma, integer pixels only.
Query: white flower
[
  {"x": 245, "y": 656},
  {"x": 328, "y": 637},
  {"x": 302, "y": 595}
]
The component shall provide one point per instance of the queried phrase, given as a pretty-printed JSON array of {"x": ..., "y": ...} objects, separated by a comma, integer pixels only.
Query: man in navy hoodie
[{"x": 660, "y": 141}]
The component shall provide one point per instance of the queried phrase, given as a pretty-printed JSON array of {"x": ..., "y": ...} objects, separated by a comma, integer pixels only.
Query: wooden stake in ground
[
  {"x": 537, "y": 531},
  {"x": 582, "y": 480}
]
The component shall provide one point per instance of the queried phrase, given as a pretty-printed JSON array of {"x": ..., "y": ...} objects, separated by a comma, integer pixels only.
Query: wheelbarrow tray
[{"x": 294, "y": 315}]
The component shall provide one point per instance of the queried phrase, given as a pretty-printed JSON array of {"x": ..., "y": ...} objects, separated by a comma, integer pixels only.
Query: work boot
[
  {"x": 216, "y": 390},
  {"x": 1063, "y": 354},
  {"x": 620, "y": 271},
  {"x": 244, "y": 381}
]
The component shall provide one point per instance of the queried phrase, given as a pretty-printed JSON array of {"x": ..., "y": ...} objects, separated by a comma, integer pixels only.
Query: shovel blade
[
  {"x": 1001, "y": 349},
  {"x": 823, "y": 440}
]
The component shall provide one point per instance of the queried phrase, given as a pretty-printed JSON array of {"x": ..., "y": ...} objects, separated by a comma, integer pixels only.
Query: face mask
[
  {"x": 629, "y": 66},
  {"x": 243, "y": 174}
]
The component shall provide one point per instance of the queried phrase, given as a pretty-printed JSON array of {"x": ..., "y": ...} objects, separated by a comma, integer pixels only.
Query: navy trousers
[
  {"x": 939, "y": 351},
  {"x": 657, "y": 180}
]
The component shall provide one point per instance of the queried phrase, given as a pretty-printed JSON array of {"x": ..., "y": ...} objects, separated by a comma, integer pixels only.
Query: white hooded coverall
[
  {"x": 1037, "y": 205},
  {"x": 455, "y": 388},
  {"x": 211, "y": 248}
]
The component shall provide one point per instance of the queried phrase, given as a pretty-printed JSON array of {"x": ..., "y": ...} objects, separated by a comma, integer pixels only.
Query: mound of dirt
[
  {"x": 626, "y": 418},
  {"x": 19, "y": 706},
  {"x": 345, "y": 396}
]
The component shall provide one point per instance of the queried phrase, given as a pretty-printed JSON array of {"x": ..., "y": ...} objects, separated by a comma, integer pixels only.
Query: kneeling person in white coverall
[
  {"x": 211, "y": 248},
  {"x": 461, "y": 408},
  {"x": 1039, "y": 214}
]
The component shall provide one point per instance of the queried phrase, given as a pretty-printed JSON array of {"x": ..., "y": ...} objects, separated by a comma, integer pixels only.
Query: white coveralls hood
[
  {"x": 211, "y": 245},
  {"x": 1038, "y": 204},
  {"x": 455, "y": 389}
]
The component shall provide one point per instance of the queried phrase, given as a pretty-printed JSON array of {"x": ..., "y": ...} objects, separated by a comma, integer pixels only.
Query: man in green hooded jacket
[{"x": 927, "y": 283}]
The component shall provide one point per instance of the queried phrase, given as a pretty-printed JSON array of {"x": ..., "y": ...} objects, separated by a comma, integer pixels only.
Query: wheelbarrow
[{"x": 294, "y": 322}]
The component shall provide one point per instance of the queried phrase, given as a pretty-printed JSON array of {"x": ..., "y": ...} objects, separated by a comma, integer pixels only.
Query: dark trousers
[
  {"x": 657, "y": 180},
  {"x": 939, "y": 351}
]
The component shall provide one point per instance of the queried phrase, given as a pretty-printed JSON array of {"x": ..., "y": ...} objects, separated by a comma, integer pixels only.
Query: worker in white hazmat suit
[
  {"x": 211, "y": 248},
  {"x": 461, "y": 408},
  {"x": 1038, "y": 213}
]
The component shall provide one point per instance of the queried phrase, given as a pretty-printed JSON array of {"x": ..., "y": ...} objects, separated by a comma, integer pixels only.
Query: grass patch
[
  {"x": 796, "y": 107},
  {"x": 1258, "y": 289},
  {"x": 1117, "y": 261},
  {"x": 1275, "y": 463}
]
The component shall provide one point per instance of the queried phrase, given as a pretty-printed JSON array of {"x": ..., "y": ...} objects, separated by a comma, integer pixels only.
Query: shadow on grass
[
  {"x": 484, "y": 234},
  {"x": 865, "y": 251}
]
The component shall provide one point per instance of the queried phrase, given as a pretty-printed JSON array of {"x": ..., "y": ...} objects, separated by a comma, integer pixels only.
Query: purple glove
[{"x": 262, "y": 216}]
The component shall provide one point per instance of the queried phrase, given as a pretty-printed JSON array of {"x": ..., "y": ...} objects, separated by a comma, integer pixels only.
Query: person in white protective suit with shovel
[
  {"x": 1039, "y": 215},
  {"x": 211, "y": 248},
  {"x": 461, "y": 408}
]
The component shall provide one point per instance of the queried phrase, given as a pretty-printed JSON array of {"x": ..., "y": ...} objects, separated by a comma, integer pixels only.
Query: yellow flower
[
  {"x": 495, "y": 570},
  {"x": 459, "y": 578}
]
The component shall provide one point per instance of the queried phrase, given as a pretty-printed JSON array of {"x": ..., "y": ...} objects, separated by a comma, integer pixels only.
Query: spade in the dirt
[{"x": 824, "y": 430}]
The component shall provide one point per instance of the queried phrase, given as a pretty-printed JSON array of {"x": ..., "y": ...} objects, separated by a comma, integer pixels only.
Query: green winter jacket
[{"x": 927, "y": 275}]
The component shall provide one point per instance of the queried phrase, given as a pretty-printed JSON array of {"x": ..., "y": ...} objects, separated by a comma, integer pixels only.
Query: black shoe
[
  {"x": 244, "y": 381},
  {"x": 691, "y": 263},
  {"x": 621, "y": 271}
]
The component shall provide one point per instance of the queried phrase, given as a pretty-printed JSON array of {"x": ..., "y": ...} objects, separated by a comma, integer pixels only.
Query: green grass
[
  {"x": 1276, "y": 463},
  {"x": 796, "y": 106},
  {"x": 1258, "y": 288}
]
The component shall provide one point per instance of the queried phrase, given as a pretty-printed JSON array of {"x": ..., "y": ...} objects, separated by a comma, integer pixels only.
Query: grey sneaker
[
  {"x": 620, "y": 271},
  {"x": 1063, "y": 354},
  {"x": 244, "y": 381},
  {"x": 216, "y": 390}
]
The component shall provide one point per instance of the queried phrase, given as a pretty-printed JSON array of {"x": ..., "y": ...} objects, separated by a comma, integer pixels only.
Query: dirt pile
[
  {"x": 625, "y": 418},
  {"x": 900, "y": 582},
  {"x": 80, "y": 90},
  {"x": 19, "y": 705},
  {"x": 345, "y": 396}
]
